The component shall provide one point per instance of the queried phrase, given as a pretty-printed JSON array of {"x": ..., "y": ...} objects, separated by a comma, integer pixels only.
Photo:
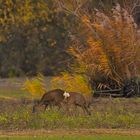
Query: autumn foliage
[
  {"x": 111, "y": 54},
  {"x": 35, "y": 86},
  {"x": 38, "y": 85},
  {"x": 72, "y": 82}
]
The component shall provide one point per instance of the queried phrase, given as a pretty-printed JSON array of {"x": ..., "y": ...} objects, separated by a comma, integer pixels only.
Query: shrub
[
  {"x": 110, "y": 54},
  {"x": 35, "y": 86},
  {"x": 68, "y": 82}
]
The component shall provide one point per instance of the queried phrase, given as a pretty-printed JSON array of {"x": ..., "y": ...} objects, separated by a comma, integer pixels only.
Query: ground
[
  {"x": 75, "y": 134},
  {"x": 72, "y": 132},
  {"x": 111, "y": 118}
]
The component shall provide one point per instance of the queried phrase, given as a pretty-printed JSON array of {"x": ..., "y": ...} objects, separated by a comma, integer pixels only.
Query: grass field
[
  {"x": 75, "y": 134},
  {"x": 71, "y": 138},
  {"x": 16, "y": 112},
  {"x": 11, "y": 88},
  {"x": 16, "y": 115}
]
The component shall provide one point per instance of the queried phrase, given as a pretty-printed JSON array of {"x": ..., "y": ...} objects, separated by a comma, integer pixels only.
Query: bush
[
  {"x": 110, "y": 54},
  {"x": 72, "y": 82},
  {"x": 35, "y": 86}
]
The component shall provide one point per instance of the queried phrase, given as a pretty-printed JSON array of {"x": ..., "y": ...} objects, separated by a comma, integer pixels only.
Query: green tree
[{"x": 32, "y": 38}]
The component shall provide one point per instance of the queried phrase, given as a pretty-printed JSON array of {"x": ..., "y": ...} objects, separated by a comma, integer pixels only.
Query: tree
[
  {"x": 110, "y": 52},
  {"x": 32, "y": 38}
]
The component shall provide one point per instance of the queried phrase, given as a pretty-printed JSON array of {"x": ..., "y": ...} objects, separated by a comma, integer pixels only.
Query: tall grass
[{"x": 113, "y": 116}]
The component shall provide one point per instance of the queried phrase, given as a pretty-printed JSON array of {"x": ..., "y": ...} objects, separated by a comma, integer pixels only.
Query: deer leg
[
  {"x": 68, "y": 107},
  {"x": 34, "y": 109},
  {"x": 86, "y": 110},
  {"x": 59, "y": 106},
  {"x": 76, "y": 112},
  {"x": 46, "y": 105},
  {"x": 36, "y": 106}
]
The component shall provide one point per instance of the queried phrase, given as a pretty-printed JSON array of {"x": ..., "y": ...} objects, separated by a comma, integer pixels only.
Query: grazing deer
[
  {"x": 51, "y": 98},
  {"x": 59, "y": 97},
  {"x": 76, "y": 99}
]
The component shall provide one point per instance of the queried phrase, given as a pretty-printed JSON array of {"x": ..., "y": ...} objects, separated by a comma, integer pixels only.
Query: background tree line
[
  {"x": 33, "y": 38},
  {"x": 37, "y": 36}
]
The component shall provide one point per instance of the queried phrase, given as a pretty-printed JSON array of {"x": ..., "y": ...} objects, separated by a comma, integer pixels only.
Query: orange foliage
[
  {"x": 76, "y": 83},
  {"x": 113, "y": 47}
]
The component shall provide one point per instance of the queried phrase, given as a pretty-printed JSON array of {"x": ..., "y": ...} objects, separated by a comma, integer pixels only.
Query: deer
[
  {"x": 77, "y": 100},
  {"x": 50, "y": 98},
  {"x": 60, "y": 98}
]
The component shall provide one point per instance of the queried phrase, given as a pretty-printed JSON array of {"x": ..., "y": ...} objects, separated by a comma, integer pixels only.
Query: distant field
[{"x": 12, "y": 88}]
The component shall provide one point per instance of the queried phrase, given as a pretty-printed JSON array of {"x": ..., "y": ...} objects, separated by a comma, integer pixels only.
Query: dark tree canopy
[{"x": 34, "y": 37}]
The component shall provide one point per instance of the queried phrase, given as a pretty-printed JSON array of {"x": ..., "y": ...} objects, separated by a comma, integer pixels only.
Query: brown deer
[
  {"x": 61, "y": 98},
  {"x": 76, "y": 99},
  {"x": 51, "y": 98}
]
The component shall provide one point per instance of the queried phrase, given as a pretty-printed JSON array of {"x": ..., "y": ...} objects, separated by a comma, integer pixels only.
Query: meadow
[
  {"x": 72, "y": 138},
  {"x": 106, "y": 113},
  {"x": 17, "y": 115},
  {"x": 75, "y": 134}
]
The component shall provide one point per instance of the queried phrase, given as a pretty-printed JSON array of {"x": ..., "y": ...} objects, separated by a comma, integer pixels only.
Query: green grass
[
  {"x": 115, "y": 113},
  {"x": 71, "y": 138},
  {"x": 13, "y": 93},
  {"x": 21, "y": 117},
  {"x": 11, "y": 88}
]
